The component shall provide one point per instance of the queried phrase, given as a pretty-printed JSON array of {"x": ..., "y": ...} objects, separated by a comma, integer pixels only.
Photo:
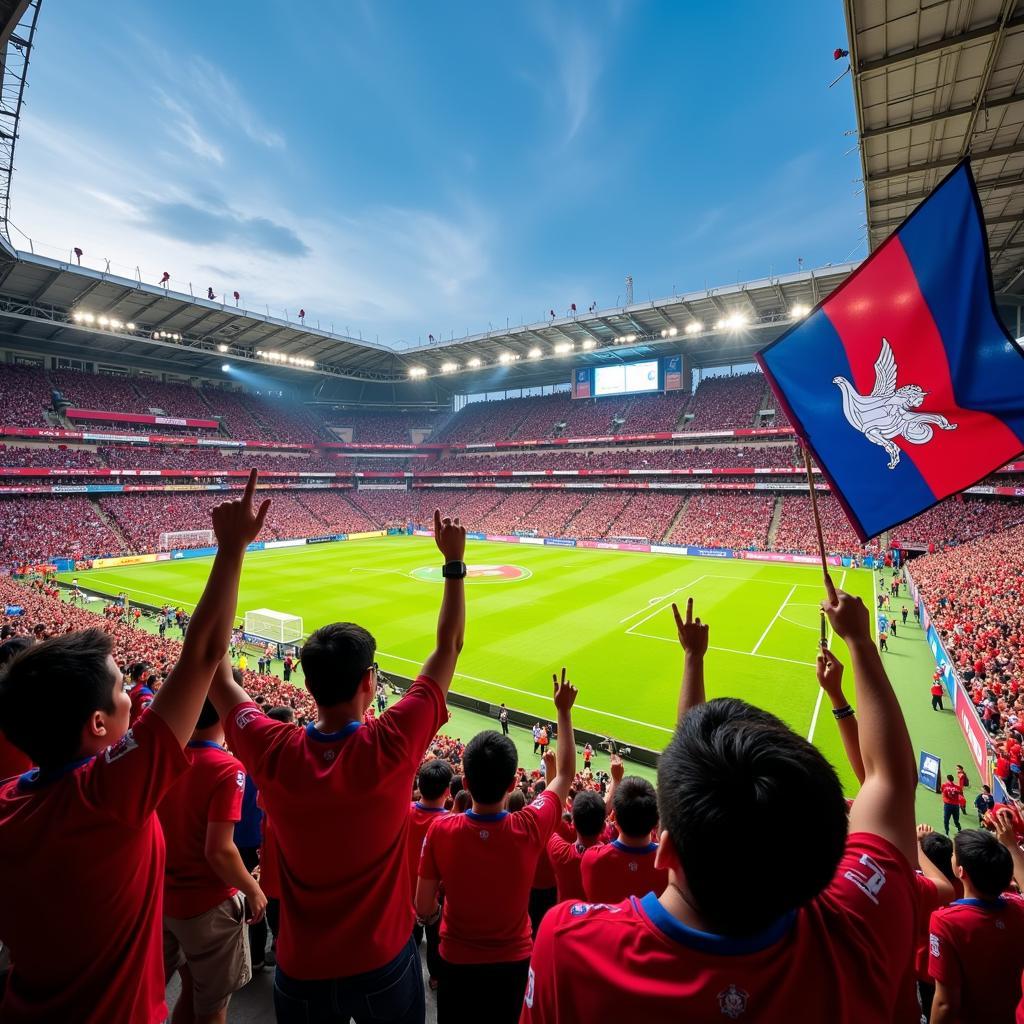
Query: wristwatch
[{"x": 454, "y": 570}]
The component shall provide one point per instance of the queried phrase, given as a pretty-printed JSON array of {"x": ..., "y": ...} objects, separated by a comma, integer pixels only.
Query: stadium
[{"x": 595, "y": 470}]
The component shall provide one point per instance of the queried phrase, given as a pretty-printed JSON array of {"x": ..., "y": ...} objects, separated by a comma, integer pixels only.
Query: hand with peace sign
[{"x": 234, "y": 522}]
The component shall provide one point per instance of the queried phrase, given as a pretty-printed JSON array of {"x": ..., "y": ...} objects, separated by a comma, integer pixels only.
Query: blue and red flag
[{"x": 904, "y": 383}]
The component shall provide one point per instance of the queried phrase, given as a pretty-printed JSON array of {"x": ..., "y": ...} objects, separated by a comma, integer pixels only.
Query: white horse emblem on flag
[{"x": 885, "y": 413}]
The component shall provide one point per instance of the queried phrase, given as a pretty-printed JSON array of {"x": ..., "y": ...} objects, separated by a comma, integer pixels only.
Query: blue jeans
[{"x": 392, "y": 994}]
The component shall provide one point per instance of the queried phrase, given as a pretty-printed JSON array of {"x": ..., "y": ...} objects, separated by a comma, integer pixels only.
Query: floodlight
[
  {"x": 226, "y": 367},
  {"x": 589, "y": 344},
  {"x": 474, "y": 362},
  {"x": 562, "y": 347},
  {"x": 673, "y": 331},
  {"x": 694, "y": 327},
  {"x": 535, "y": 353},
  {"x": 799, "y": 311},
  {"x": 449, "y": 367},
  {"x": 222, "y": 348}
]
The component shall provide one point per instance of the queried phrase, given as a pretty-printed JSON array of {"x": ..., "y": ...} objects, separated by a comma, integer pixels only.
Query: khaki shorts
[{"x": 215, "y": 946}]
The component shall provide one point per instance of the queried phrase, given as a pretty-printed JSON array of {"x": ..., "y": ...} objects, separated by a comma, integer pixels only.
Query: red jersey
[
  {"x": 141, "y": 697},
  {"x": 210, "y": 791},
  {"x": 566, "y": 858},
  {"x": 486, "y": 863},
  {"x": 975, "y": 950},
  {"x": 829, "y": 960},
  {"x": 926, "y": 899},
  {"x": 91, "y": 833},
  {"x": 614, "y": 871},
  {"x": 936, "y": 689},
  {"x": 420, "y": 819},
  {"x": 339, "y": 804},
  {"x": 268, "y": 862},
  {"x": 951, "y": 793}
]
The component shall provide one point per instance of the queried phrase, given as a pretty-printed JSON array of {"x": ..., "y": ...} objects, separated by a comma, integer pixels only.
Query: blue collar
[
  {"x": 144, "y": 691},
  {"x": 708, "y": 942},
  {"x": 638, "y": 850},
  {"x": 331, "y": 737},
  {"x": 35, "y": 778},
  {"x": 422, "y": 808},
  {"x": 970, "y": 901},
  {"x": 497, "y": 816},
  {"x": 196, "y": 744}
]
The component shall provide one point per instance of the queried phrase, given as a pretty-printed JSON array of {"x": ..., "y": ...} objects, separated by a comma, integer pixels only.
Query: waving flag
[{"x": 904, "y": 383}]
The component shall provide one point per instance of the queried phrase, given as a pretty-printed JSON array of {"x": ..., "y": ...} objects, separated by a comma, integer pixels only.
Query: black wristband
[
  {"x": 454, "y": 570},
  {"x": 840, "y": 713}
]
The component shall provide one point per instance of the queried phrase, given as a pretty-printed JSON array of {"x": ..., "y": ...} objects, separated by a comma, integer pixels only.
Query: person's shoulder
[{"x": 580, "y": 916}]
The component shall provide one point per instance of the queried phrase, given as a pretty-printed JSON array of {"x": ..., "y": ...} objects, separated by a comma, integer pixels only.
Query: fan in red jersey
[{"x": 828, "y": 904}]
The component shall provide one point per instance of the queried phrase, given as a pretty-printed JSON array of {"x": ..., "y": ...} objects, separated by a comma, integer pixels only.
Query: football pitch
[{"x": 605, "y": 615}]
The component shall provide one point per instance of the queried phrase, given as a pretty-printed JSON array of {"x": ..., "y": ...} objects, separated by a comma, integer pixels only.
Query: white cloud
[
  {"x": 221, "y": 99},
  {"x": 184, "y": 129}
]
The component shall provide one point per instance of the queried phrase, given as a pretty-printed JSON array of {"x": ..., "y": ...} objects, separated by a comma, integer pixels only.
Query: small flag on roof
[{"x": 904, "y": 383}]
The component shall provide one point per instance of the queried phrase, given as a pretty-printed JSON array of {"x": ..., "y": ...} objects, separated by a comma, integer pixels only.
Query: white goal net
[
  {"x": 276, "y": 626},
  {"x": 186, "y": 539}
]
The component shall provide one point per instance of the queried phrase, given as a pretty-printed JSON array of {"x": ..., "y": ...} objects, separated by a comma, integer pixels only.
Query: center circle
[{"x": 479, "y": 573}]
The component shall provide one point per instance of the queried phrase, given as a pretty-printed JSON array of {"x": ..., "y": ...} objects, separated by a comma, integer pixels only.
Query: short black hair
[
  {"x": 434, "y": 778},
  {"x": 949, "y": 778},
  {"x": 14, "y": 646},
  {"x": 987, "y": 789},
  {"x": 636, "y": 806},
  {"x": 280, "y": 713},
  {"x": 729, "y": 772},
  {"x": 335, "y": 659},
  {"x": 49, "y": 690},
  {"x": 208, "y": 716},
  {"x": 986, "y": 862},
  {"x": 939, "y": 850},
  {"x": 490, "y": 761},
  {"x": 588, "y": 813},
  {"x": 516, "y": 801}
]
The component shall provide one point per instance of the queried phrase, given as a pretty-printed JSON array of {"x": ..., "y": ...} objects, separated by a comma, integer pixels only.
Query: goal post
[
  {"x": 185, "y": 539},
  {"x": 277, "y": 627}
]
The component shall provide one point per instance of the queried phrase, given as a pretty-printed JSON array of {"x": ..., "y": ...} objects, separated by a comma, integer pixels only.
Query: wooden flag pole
[{"x": 817, "y": 520}]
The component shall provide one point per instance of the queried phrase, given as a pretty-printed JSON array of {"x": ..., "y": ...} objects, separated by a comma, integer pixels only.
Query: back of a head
[
  {"x": 434, "y": 778},
  {"x": 49, "y": 690},
  {"x": 280, "y": 713},
  {"x": 9, "y": 649},
  {"x": 334, "y": 660},
  {"x": 939, "y": 850},
  {"x": 732, "y": 775},
  {"x": 208, "y": 716},
  {"x": 985, "y": 861},
  {"x": 489, "y": 762},
  {"x": 636, "y": 806},
  {"x": 588, "y": 813},
  {"x": 516, "y": 801},
  {"x": 462, "y": 802}
]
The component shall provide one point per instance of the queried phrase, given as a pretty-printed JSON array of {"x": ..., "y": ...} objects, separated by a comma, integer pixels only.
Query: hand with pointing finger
[
  {"x": 235, "y": 523},
  {"x": 565, "y": 692},
  {"x": 693, "y": 634}
]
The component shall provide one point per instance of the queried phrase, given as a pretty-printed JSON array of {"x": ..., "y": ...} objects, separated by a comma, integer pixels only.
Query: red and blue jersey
[
  {"x": 613, "y": 871},
  {"x": 420, "y": 819},
  {"x": 82, "y": 856},
  {"x": 831, "y": 960},
  {"x": 339, "y": 807},
  {"x": 904, "y": 382}
]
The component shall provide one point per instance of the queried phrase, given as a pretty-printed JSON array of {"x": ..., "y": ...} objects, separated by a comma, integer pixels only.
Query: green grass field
[{"x": 606, "y": 615}]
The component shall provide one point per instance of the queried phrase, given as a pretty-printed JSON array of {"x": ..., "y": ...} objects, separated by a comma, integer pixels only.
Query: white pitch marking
[
  {"x": 726, "y": 650},
  {"x": 774, "y": 619},
  {"x": 530, "y": 693},
  {"x": 662, "y": 605}
]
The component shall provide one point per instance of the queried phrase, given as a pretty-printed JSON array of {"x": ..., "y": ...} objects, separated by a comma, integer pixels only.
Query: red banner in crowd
[{"x": 109, "y": 416}]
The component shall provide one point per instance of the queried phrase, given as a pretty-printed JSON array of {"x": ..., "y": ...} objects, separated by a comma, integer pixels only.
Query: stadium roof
[
  {"x": 45, "y": 306},
  {"x": 934, "y": 82}
]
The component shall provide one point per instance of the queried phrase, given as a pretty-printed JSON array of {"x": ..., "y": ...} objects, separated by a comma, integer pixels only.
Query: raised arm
[
  {"x": 943, "y": 885},
  {"x": 693, "y": 638},
  {"x": 617, "y": 772},
  {"x": 180, "y": 699},
  {"x": 565, "y": 761},
  {"x": 1007, "y": 835},
  {"x": 450, "y": 536},
  {"x": 830, "y": 678},
  {"x": 885, "y": 804}
]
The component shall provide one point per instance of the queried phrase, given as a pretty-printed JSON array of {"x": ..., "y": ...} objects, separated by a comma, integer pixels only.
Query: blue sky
[{"x": 399, "y": 169}]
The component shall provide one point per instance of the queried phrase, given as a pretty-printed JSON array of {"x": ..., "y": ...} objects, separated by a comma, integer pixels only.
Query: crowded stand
[
  {"x": 98, "y": 391},
  {"x": 208, "y": 458},
  {"x": 957, "y": 520},
  {"x": 973, "y": 594},
  {"x": 796, "y": 526},
  {"x": 648, "y": 516},
  {"x": 55, "y": 457},
  {"x": 728, "y": 520},
  {"x": 385, "y": 427},
  {"x": 335, "y": 511},
  {"x": 572, "y": 909},
  {"x": 548, "y": 518},
  {"x": 596, "y": 512},
  {"x": 722, "y": 403},
  {"x": 37, "y": 529},
  {"x": 24, "y": 395}
]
